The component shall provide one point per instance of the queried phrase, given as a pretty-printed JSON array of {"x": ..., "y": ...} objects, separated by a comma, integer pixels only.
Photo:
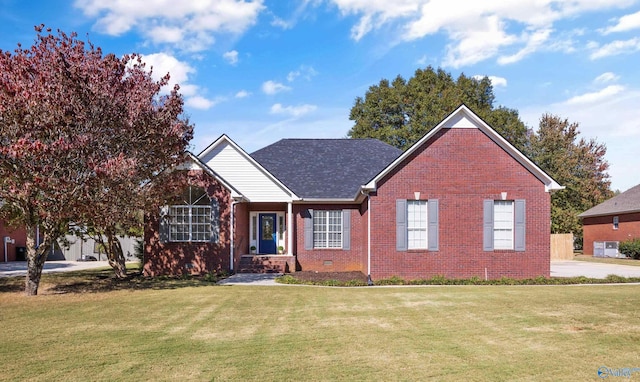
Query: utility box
[
  {"x": 21, "y": 253},
  {"x": 606, "y": 249}
]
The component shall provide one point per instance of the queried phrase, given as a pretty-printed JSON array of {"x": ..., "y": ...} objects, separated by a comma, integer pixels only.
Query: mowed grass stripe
[{"x": 310, "y": 333}]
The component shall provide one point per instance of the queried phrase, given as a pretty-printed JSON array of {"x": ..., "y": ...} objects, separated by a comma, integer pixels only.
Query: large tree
[
  {"x": 400, "y": 112},
  {"x": 576, "y": 163},
  {"x": 80, "y": 132}
]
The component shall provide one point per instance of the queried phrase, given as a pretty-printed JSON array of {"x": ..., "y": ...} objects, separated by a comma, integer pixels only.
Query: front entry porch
[{"x": 267, "y": 264}]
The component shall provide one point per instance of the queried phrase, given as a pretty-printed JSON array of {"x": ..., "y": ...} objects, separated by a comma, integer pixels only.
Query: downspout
[
  {"x": 233, "y": 241},
  {"x": 369, "y": 281}
]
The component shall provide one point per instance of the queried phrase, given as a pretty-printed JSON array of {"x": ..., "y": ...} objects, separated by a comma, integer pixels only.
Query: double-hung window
[
  {"x": 416, "y": 224},
  {"x": 504, "y": 225},
  {"x": 192, "y": 220},
  {"x": 327, "y": 229}
]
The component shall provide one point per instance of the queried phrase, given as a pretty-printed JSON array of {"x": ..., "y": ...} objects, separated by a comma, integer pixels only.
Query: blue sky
[{"x": 261, "y": 70}]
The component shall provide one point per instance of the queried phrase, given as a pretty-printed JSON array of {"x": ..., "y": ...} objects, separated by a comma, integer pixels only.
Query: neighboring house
[
  {"x": 616, "y": 219},
  {"x": 16, "y": 242},
  {"x": 461, "y": 202},
  {"x": 75, "y": 248},
  {"x": 13, "y": 242}
]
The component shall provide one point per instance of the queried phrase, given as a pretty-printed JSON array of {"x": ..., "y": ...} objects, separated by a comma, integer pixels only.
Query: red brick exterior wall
[
  {"x": 189, "y": 258},
  {"x": 241, "y": 242},
  {"x": 460, "y": 168},
  {"x": 333, "y": 260},
  {"x": 18, "y": 234},
  {"x": 601, "y": 229}
]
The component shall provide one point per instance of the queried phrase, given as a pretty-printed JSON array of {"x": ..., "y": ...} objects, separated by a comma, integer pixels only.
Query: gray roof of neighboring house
[
  {"x": 626, "y": 202},
  {"x": 326, "y": 168}
]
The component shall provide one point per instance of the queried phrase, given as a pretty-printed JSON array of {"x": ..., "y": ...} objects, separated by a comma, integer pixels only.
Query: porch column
[{"x": 289, "y": 228}]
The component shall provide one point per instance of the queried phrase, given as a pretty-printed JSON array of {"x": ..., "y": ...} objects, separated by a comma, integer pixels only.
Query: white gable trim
[
  {"x": 464, "y": 118},
  {"x": 193, "y": 163},
  {"x": 224, "y": 139}
]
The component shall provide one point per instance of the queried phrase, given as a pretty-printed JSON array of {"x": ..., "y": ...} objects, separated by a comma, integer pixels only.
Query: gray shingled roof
[
  {"x": 326, "y": 168},
  {"x": 626, "y": 202}
]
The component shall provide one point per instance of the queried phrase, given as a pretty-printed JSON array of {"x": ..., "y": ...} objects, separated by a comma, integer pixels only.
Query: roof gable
[
  {"x": 626, "y": 202},
  {"x": 326, "y": 168},
  {"x": 464, "y": 118},
  {"x": 193, "y": 163},
  {"x": 255, "y": 182}
]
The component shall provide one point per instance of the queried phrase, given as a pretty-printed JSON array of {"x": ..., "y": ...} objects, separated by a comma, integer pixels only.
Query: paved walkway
[
  {"x": 573, "y": 268},
  {"x": 19, "y": 268},
  {"x": 251, "y": 279}
]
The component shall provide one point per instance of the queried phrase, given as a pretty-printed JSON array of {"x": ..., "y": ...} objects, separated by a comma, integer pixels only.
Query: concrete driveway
[
  {"x": 573, "y": 268},
  {"x": 19, "y": 268}
]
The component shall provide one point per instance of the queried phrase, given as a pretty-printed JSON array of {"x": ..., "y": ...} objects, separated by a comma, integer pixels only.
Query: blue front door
[{"x": 267, "y": 232}]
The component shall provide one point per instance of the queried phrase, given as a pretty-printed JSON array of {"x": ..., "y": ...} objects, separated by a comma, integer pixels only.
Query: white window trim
[
  {"x": 327, "y": 242},
  {"x": 424, "y": 226},
  {"x": 253, "y": 228},
  {"x": 189, "y": 206},
  {"x": 497, "y": 243},
  {"x": 616, "y": 222}
]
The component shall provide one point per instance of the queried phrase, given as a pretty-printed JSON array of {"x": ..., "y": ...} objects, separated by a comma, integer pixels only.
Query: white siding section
[
  {"x": 460, "y": 121},
  {"x": 248, "y": 178}
]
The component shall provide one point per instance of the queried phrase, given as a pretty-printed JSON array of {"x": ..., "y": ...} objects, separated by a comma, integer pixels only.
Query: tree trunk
[
  {"x": 113, "y": 248},
  {"x": 35, "y": 262}
]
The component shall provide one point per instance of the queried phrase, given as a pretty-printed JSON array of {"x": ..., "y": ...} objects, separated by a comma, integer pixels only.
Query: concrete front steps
[{"x": 266, "y": 264}]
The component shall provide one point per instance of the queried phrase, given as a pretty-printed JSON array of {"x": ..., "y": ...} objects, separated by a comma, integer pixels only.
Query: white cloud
[
  {"x": 476, "y": 30},
  {"x": 375, "y": 13},
  {"x": 231, "y": 57},
  {"x": 495, "y": 81},
  {"x": 594, "y": 97},
  {"x": 606, "y": 77},
  {"x": 190, "y": 25},
  {"x": 179, "y": 71},
  {"x": 611, "y": 120},
  {"x": 294, "y": 111},
  {"x": 625, "y": 23},
  {"x": 614, "y": 48},
  {"x": 272, "y": 87},
  {"x": 306, "y": 72},
  {"x": 300, "y": 12},
  {"x": 242, "y": 94},
  {"x": 533, "y": 43},
  {"x": 478, "y": 44},
  {"x": 201, "y": 103},
  {"x": 283, "y": 24}
]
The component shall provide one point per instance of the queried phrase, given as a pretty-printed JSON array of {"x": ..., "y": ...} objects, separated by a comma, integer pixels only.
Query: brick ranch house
[
  {"x": 461, "y": 202},
  {"x": 615, "y": 219}
]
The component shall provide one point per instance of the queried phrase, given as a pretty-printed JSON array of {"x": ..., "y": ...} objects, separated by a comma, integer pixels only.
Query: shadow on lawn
[{"x": 100, "y": 281}]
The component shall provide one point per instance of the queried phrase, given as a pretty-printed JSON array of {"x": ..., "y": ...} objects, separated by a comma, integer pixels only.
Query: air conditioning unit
[{"x": 606, "y": 249}]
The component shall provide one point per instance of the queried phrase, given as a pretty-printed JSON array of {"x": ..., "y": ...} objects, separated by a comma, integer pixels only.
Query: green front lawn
[{"x": 194, "y": 330}]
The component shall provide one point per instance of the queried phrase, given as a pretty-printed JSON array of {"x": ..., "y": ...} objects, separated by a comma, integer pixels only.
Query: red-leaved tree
[{"x": 82, "y": 135}]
